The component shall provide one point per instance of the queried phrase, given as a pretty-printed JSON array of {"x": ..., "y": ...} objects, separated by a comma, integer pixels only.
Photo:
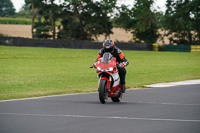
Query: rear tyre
[
  {"x": 117, "y": 98},
  {"x": 103, "y": 94}
]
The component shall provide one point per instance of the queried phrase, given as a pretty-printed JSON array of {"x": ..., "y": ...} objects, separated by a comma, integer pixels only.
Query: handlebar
[{"x": 119, "y": 65}]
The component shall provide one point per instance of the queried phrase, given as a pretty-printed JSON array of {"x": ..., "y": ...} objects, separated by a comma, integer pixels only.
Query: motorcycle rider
[{"x": 109, "y": 46}]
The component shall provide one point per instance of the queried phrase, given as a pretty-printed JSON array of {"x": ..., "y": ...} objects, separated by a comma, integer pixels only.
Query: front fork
[{"x": 108, "y": 88}]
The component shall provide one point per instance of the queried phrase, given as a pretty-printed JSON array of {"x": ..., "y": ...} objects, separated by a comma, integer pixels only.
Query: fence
[
  {"x": 177, "y": 48},
  {"x": 14, "y": 41},
  {"x": 195, "y": 48}
]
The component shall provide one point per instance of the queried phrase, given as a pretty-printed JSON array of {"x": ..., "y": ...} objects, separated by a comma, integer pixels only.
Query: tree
[
  {"x": 102, "y": 13},
  {"x": 80, "y": 19},
  {"x": 6, "y": 8},
  {"x": 25, "y": 11},
  {"x": 85, "y": 18},
  {"x": 195, "y": 18},
  {"x": 50, "y": 12},
  {"x": 141, "y": 20},
  {"x": 74, "y": 20},
  {"x": 35, "y": 6},
  {"x": 146, "y": 25},
  {"x": 46, "y": 13},
  {"x": 182, "y": 20}
]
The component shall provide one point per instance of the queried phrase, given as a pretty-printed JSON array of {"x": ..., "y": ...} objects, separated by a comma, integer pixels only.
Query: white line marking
[
  {"x": 188, "y": 82},
  {"x": 102, "y": 117},
  {"x": 187, "y": 104},
  {"x": 182, "y": 104},
  {"x": 11, "y": 100},
  {"x": 93, "y": 93}
]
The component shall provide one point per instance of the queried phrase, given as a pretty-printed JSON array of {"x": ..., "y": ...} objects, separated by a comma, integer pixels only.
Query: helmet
[{"x": 108, "y": 45}]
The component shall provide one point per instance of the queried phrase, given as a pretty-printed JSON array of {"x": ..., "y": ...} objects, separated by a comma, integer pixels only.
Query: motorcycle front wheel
[{"x": 103, "y": 94}]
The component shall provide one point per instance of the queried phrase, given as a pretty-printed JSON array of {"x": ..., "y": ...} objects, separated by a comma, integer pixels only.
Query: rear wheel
[
  {"x": 103, "y": 94},
  {"x": 117, "y": 98}
]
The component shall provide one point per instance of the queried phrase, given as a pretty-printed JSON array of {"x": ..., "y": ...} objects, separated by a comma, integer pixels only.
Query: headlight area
[
  {"x": 99, "y": 69},
  {"x": 109, "y": 69}
]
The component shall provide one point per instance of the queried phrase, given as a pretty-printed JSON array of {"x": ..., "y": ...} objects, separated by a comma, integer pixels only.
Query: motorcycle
[{"x": 108, "y": 77}]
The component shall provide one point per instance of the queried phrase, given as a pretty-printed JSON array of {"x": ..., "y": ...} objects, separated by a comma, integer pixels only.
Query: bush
[{"x": 3, "y": 35}]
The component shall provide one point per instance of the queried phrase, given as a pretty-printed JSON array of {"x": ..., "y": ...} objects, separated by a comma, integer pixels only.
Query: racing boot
[{"x": 123, "y": 88}]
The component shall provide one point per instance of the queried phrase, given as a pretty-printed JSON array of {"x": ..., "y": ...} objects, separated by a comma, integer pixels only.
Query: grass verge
[
  {"x": 30, "y": 72},
  {"x": 20, "y": 21},
  {"x": 5, "y": 20}
]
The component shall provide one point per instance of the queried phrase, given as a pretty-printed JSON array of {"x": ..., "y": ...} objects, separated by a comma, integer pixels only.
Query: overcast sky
[{"x": 158, "y": 3}]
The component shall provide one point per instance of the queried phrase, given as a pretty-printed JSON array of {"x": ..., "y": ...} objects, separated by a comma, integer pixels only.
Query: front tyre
[{"x": 103, "y": 94}]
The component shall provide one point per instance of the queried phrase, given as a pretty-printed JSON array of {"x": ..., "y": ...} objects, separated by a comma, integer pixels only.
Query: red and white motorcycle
[{"x": 109, "y": 80}]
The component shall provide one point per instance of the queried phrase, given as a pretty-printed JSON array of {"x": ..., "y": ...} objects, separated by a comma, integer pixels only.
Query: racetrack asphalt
[{"x": 157, "y": 110}]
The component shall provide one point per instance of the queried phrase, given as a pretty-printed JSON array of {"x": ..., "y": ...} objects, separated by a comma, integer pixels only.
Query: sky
[{"x": 158, "y": 3}]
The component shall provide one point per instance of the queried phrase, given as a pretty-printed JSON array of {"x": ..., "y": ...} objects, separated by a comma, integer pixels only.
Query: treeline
[
  {"x": 180, "y": 21},
  {"x": 85, "y": 19}
]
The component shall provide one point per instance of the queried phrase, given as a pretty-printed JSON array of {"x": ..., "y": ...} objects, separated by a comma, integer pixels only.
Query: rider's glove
[{"x": 122, "y": 64}]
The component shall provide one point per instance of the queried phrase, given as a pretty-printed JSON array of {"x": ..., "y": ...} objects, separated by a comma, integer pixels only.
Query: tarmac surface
[{"x": 157, "y": 110}]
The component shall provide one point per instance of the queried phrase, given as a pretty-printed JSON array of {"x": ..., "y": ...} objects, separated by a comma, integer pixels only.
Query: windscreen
[{"x": 106, "y": 58}]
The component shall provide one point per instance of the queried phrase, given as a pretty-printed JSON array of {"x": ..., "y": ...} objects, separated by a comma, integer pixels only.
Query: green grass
[
  {"x": 5, "y": 20},
  {"x": 30, "y": 72},
  {"x": 21, "y": 21}
]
